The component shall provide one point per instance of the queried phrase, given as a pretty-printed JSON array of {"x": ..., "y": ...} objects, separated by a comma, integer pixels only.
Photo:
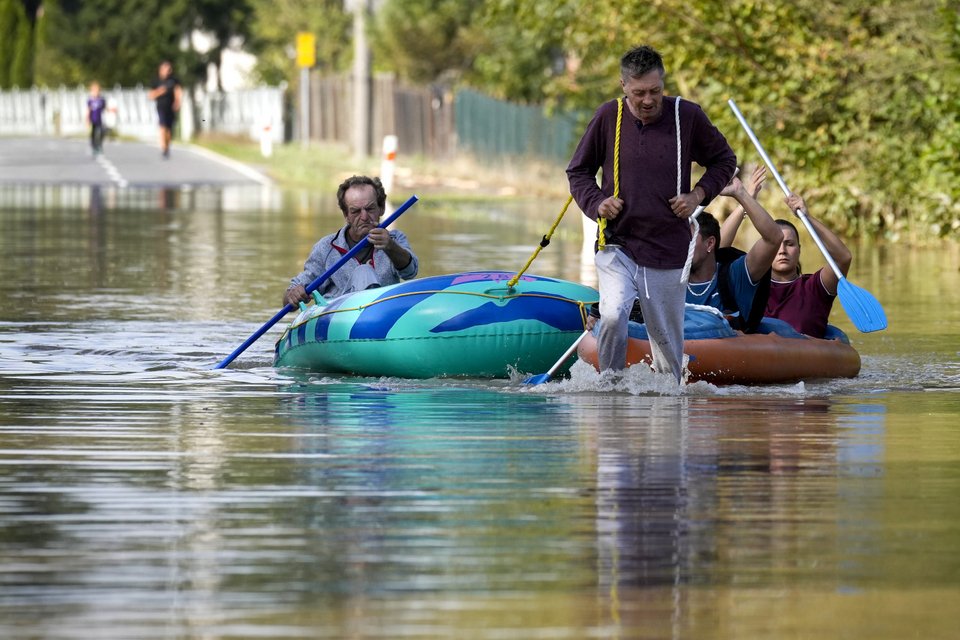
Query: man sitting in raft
[
  {"x": 726, "y": 278},
  {"x": 388, "y": 258}
]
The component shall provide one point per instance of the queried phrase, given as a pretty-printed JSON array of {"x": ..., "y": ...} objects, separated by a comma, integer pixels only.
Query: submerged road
[{"x": 69, "y": 161}]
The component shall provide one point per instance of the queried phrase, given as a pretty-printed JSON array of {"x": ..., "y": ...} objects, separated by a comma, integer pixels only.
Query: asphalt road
[{"x": 62, "y": 161}]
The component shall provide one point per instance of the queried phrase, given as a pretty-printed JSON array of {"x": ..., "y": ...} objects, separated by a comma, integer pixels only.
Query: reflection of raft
[
  {"x": 720, "y": 355},
  {"x": 464, "y": 324}
]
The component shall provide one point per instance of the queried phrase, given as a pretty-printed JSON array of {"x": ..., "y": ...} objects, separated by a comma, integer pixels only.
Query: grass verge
[{"x": 322, "y": 166}]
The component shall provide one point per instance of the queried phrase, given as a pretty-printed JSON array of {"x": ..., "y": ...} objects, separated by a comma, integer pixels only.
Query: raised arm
[
  {"x": 761, "y": 254},
  {"x": 730, "y": 226},
  {"x": 835, "y": 246}
]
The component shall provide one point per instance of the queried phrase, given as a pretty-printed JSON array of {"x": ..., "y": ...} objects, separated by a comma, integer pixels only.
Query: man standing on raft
[{"x": 645, "y": 144}]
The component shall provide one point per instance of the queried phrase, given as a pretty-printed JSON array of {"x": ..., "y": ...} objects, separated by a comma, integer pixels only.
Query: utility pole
[
  {"x": 306, "y": 58},
  {"x": 361, "y": 77}
]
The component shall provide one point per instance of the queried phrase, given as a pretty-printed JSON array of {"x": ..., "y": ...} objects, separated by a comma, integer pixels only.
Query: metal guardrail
[
  {"x": 130, "y": 113},
  {"x": 426, "y": 120}
]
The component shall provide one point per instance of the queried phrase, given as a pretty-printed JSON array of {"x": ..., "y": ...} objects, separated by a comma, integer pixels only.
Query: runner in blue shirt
[{"x": 95, "y": 106}]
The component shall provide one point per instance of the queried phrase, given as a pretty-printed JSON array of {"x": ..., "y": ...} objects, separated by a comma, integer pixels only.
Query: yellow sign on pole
[{"x": 306, "y": 50}]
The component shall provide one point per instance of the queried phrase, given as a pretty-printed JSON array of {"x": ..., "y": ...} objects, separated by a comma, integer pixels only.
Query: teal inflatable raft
[{"x": 460, "y": 325}]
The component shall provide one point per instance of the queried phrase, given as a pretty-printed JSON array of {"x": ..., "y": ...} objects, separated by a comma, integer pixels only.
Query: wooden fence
[
  {"x": 420, "y": 117},
  {"x": 437, "y": 123}
]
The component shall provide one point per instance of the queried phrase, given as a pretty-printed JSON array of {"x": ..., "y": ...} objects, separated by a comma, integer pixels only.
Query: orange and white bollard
[
  {"x": 387, "y": 162},
  {"x": 266, "y": 139}
]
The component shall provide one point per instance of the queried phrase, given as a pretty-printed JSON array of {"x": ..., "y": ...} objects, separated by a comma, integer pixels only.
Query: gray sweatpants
[{"x": 661, "y": 295}]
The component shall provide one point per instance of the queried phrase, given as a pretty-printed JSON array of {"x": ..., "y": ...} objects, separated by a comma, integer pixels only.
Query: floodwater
[{"x": 145, "y": 495}]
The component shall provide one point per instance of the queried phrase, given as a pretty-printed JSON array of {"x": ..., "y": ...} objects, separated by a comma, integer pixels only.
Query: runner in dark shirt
[{"x": 167, "y": 93}]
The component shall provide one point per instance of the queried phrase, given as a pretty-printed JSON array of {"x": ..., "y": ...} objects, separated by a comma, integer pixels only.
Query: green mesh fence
[{"x": 492, "y": 129}]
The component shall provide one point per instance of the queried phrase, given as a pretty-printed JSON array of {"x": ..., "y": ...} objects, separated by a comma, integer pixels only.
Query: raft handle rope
[{"x": 580, "y": 304}]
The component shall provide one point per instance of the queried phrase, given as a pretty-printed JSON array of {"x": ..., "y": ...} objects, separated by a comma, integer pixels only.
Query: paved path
[{"x": 41, "y": 161}]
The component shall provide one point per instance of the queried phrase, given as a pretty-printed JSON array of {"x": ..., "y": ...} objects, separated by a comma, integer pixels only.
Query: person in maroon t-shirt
[{"x": 805, "y": 300}]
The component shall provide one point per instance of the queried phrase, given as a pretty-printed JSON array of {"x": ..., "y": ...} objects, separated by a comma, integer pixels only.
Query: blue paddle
[
  {"x": 316, "y": 283},
  {"x": 863, "y": 309}
]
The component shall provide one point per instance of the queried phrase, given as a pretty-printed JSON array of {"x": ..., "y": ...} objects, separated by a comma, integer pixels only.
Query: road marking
[
  {"x": 112, "y": 172},
  {"x": 239, "y": 167}
]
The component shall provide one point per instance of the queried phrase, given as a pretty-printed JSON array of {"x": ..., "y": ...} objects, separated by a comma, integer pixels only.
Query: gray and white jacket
[{"x": 353, "y": 276}]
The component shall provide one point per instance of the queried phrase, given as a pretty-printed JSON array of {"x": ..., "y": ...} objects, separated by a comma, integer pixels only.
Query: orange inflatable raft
[{"x": 720, "y": 355}]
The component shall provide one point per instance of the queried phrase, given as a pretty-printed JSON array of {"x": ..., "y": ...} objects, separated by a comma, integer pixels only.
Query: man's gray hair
[
  {"x": 640, "y": 61},
  {"x": 354, "y": 181}
]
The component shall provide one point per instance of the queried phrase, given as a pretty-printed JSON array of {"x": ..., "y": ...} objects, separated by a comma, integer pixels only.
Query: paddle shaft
[
  {"x": 316, "y": 283},
  {"x": 783, "y": 186},
  {"x": 567, "y": 353}
]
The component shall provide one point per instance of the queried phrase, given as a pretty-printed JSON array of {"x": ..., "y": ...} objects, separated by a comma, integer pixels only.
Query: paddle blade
[
  {"x": 863, "y": 309},
  {"x": 540, "y": 378}
]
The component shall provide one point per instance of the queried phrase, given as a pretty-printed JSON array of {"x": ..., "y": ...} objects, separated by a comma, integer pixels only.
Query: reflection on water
[
  {"x": 96, "y": 198},
  {"x": 144, "y": 495}
]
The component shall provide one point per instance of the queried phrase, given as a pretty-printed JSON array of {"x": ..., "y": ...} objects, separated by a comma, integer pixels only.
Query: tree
[
  {"x": 522, "y": 49},
  {"x": 274, "y": 26},
  {"x": 511, "y": 49},
  {"x": 426, "y": 41},
  {"x": 10, "y": 18},
  {"x": 51, "y": 67},
  {"x": 113, "y": 41},
  {"x": 226, "y": 21},
  {"x": 123, "y": 41},
  {"x": 21, "y": 67},
  {"x": 854, "y": 99}
]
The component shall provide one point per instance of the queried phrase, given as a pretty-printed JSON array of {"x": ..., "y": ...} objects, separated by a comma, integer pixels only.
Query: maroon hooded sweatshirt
[{"x": 647, "y": 229}]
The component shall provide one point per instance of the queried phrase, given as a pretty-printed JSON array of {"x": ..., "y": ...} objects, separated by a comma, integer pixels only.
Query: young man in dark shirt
[
  {"x": 167, "y": 93},
  {"x": 736, "y": 283}
]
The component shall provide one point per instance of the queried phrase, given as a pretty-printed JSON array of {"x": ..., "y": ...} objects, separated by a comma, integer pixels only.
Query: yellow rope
[
  {"x": 543, "y": 242},
  {"x": 602, "y": 222}
]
